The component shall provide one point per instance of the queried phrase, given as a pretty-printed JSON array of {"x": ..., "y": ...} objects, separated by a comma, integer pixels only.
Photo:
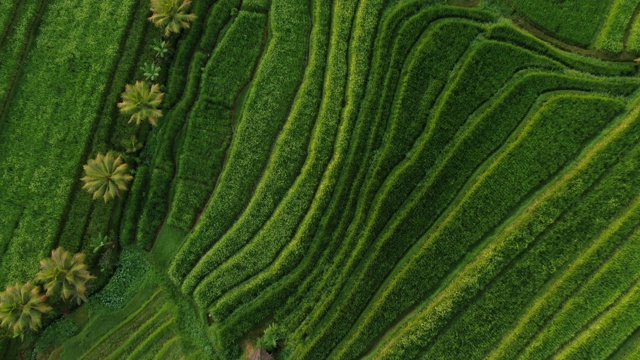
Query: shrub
[{"x": 269, "y": 340}]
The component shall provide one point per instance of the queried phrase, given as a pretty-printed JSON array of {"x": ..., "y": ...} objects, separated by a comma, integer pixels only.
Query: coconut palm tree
[
  {"x": 106, "y": 176},
  {"x": 65, "y": 272},
  {"x": 171, "y": 15},
  {"x": 142, "y": 101},
  {"x": 22, "y": 307}
]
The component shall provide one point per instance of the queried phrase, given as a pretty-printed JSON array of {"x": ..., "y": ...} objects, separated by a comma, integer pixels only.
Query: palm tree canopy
[
  {"x": 22, "y": 307},
  {"x": 106, "y": 176},
  {"x": 171, "y": 15},
  {"x": 142, "y": 102},
  {"x": 65, "y": 272}
]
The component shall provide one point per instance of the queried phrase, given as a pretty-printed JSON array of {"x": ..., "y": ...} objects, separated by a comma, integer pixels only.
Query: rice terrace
[{"x": 319, "y": 179}]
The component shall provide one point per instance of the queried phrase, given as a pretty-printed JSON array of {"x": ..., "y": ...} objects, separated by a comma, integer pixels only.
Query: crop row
[
  {"x": 554, "y": 133},
  {"x": 233, "y": 60},
  {"x": 207, "y": 133},
  {"x": 9, "y": 220},
  {"x": 600, "y": 291},
  {"x": 265, "y": 112},
  {"x": 46, "y": 158},
  {"x": 575, "y": 272},
  {"x": 118, "y": 334},
  {"x": 143, "y": 335},
  {"x": 437, "y": 190},
  {"x": 8, "y": 11},
  {"x": 388, "y": 252},
  {"x": 547, "y": 253},
  {"x": 170, "y": 350},
  {"x": 604, "y": 285},
  {"x": 73, "y": 230},
  {"x": 201, "y": 39},
  {"x": 398, "y": 34},
  {"x": 157, "y": 195},
  {"x": 155, "y": 341},
  {"x": 445, "y": 122},
  {"x": 612, "y": 35},
  {"x": 290, "y": 257},
  {"x": 633, "y": 36},
  {"x": 343, "y": 16},
  {"x": 394, "y": 146},
  {"x": 191, "y": 56},
  {"x": 285, "y": 219},
  {"x": 284, "y": 166},
  {"x": 576, "y": 21},
  {"x": 404, "y": 44},
  {"x": 301, "y": 241},
  {"x": 610, "y": 329}
]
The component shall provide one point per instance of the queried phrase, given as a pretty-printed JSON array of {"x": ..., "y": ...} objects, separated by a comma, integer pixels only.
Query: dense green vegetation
[{"x": 322, "y": 179}]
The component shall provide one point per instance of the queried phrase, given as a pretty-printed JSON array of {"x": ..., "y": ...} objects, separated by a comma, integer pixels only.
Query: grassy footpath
[
  {"x": 437, "y": 190},
  {"x": 411, "y": 170},
  {"x": 399, "y": 32},
  {"x": 285, "y": 165}
]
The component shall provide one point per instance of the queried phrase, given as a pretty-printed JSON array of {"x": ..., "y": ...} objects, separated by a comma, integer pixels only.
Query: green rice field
[{"x": 375, "y": 179}]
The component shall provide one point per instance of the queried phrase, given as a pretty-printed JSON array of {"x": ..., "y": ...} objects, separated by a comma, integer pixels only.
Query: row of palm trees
[
  {"x": 22, "y": 306},
  {"x": 107, "y": 175}
]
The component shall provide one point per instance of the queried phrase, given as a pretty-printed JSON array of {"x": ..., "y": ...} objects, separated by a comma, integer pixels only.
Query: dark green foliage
[{"x": 55, "y": 334}]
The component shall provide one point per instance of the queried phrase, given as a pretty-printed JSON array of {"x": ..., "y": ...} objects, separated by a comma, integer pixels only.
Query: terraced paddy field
[{"x": 378, "y": 179}]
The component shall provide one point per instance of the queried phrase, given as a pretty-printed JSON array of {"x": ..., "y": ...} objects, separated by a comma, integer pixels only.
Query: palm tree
[
  {"x": 170, "y": 15},
  {"x": 106, "y": 176},
  {"x": 22, "y": 307},
  {"x": 142, "y": 102},
  {"x": 65, "y": 272}
]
